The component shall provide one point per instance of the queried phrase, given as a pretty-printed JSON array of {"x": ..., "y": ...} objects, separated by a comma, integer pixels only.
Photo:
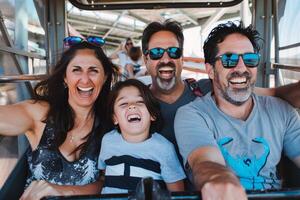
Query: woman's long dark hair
[{"x": 53, "y": 91}]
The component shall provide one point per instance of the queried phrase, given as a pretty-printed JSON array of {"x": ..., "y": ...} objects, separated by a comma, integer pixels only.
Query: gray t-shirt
[
  {"x": 169, "y": 110},
  {"x": 126, "y": 163},
  {"x": 251, "y": 148}
]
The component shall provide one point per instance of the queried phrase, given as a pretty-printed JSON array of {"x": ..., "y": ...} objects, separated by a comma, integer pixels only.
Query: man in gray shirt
[{"x": 232, "y": 133}]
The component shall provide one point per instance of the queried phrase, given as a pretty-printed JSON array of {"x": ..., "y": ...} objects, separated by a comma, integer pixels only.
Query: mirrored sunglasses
[
  {"x": 157, "y": 53},
  {"x": 230, "y": 60},
  {"x": 72, "y": 40}
]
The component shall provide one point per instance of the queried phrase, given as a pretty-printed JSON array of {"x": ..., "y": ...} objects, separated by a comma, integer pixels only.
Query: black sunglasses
[
  {"x": 157, "y": 53},
  {"x": 230, "y": 60},
  {"x": 72, "y": 40}
]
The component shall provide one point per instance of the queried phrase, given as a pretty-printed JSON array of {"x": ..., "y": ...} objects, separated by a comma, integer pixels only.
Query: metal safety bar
[
  {"x": 262, "y": 195},
  {"x": 21, "y": 52},
  {"x": 22, "y": 78},
  {"x": 289, "y": 46},
  {"x": 10, "y": 49},
  {"x": 290, "y": 67}
]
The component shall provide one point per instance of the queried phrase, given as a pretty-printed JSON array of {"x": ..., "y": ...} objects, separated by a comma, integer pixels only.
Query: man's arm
[
  {"x": 198, "y": 147},
  {"x": 212, "y": 177},
  {"x": 290, "y": 93}
]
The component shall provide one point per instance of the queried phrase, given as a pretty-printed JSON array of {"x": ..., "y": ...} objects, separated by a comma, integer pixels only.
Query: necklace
[
  {"x": 79, "y": 131},
  {"x": 72, "y": 139},
  {"x": 75, "y": 136}
]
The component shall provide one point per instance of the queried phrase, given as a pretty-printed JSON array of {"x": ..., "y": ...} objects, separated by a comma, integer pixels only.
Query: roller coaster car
[
  {"x": 15, "y": 183},
  {"x": 14, "y": 186},
  {"x": 289, "y": 172}
]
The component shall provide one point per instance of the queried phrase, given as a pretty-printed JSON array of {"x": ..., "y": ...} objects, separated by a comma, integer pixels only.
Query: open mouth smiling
[
  {"x": 166, "y": 72},
  {"x": 238, "y": 80},
  {"x": 133, "y": 118},
  {"x": 88, "y": 90}
]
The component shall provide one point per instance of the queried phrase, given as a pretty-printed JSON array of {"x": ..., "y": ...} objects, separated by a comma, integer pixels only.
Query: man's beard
[
  {"x": 166, "y": 84},
  {"x": 236, "y": 96}
]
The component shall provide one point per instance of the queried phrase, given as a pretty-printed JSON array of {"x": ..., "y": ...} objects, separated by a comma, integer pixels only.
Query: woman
[
  {"x": 121, "y": 53},
  {"x": 134, "y": 63},
  {"x": 64, "y": 123}
]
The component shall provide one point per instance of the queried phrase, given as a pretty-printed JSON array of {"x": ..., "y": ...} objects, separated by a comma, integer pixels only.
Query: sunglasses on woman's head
[
  {"x": 230, "y": 60},
  {"x": 157, "y": 53},
  {"x": 72, "y": 40}
]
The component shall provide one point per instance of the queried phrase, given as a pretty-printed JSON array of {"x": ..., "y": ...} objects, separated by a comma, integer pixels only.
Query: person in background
[
  {"x": 134, "y": 65},
  {"x": 232, "y": 137},
  {"x": 122, "y": 54},
  {"x": 134, "y": 149},
  {"x": 63, "y": 123}
]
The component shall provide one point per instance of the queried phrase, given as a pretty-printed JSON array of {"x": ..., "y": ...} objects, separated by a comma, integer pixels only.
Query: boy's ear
[
  {"x": 210, "y": 70},
  {"x": 152, "y": 118},
  {"x": 115, "y": 120}
]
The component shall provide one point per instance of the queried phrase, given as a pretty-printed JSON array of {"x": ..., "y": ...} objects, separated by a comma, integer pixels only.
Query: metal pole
[
  {"x": 258, "y": 20},
  {"x": 245, "y": 12},
  {"x": 21, "y": 42},
  {"x": 56, "y": 28},
  {"x": 268, "y": 33},
  {"x": 276, "y": 42}
]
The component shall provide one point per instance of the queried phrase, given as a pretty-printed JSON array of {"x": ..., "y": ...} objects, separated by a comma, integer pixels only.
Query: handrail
[
  {"x": 196, "y": 70},
  {"x": 21, "y": 52},
  {"x": 194, "y": 60},
  {"x": 22, "y": 78},
  {"x": 290, "y": 67},
  {"x": 124, "y": 5},
  {"x": 290, "y": 46}
]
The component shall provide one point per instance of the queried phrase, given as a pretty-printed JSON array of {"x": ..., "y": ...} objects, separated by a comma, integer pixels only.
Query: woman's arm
[
  {"x": 176, "y": 187},
  {"x": 114, "y": 55},
  {"x": 39, "y": 189},
  {"x": 18, "y": 118}
]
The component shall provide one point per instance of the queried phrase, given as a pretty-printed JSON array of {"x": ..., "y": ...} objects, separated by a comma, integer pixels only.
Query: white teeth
[
  {"x": 238, "y": 80},
  {"x": 167, "y": 68},
  {"x": 85, "y": 89},
  {"x": 133, "y": 117}
]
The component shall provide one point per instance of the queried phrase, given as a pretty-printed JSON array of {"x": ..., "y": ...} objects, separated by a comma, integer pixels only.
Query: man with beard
[
  {"x": 232, "y": 137},
  {"x": 162, "y": 46}
]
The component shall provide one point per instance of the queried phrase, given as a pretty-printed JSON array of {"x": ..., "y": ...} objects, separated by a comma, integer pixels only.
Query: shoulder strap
[
  {"x": 194, "y": 87},
  {"x": 48, "y": 137}
]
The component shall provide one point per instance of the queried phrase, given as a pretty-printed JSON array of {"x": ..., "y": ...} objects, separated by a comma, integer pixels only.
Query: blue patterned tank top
[{"x": 47, "y": 163}]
